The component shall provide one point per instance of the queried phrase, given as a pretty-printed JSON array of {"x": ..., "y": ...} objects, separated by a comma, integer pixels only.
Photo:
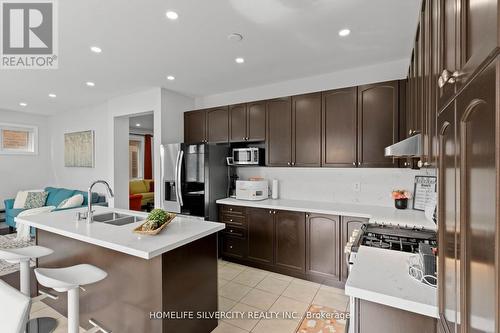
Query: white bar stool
[
  {"x": 22, "y": 256},
  {"x": 14, "y": 309},
  {"x": 70, "y": 279}
]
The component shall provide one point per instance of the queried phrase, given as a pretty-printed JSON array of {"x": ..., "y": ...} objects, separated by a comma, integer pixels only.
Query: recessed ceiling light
[
  {"x": 23, "y": 104},
  {"x": 235, "y": 37},
  {"x": 90, "y": 84},
  {"x": 52, "y": 95},
  {"x": 170, "y": 78},
  {"x": 171, "y": 15},
  {"x": 344, "y": 32},
  {"x": 95, "y": 49},
  {"x": 138, "y": 125},
  {"x": 239, "y": 60}
]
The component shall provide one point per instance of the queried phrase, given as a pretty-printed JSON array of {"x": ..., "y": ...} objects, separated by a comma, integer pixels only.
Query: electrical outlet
[{"x": 356, "y": 187}]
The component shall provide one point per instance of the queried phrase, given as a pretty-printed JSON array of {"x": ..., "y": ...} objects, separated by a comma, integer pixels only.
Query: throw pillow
[
  {"x": 21, "y": 196},
  {"x": 35, "y": 200},
  {"x": 74, "y": 201}
]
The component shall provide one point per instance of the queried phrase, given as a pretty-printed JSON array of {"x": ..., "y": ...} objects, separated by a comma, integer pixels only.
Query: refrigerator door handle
[{"x": 178, "y": 169}]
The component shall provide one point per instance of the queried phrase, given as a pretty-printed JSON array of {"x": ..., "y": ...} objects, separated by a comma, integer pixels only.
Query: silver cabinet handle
[
  {"x": 359, "y": 163},
  {"x": 293, "y": 163},
  {"x": 270, "y": 212},
  {"x": 289, "y": 163},
  {"x": 230, "y": 246},
  {"x": 354, "y": 163}
]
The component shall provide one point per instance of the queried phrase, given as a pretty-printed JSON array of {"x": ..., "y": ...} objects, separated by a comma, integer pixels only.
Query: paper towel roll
[{"x": 274, "y": 189}]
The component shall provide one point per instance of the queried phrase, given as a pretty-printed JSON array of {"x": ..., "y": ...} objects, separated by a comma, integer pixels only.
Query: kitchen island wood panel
[{"x": 184, "y": 279}]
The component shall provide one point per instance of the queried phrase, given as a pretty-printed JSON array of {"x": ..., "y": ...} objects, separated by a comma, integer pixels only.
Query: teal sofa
[{"x": 55, "y": 197}]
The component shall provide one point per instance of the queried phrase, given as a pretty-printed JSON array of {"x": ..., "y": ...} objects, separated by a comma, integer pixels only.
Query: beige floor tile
[
  {"x": 281, "y": 277},
  {"x": 332, "y": 300},
  {"x": 301, "y": 291},
  {"x": 276, "y": 326},
  {"x": 245, "y": 322},
  {"x": 46, "y": 312},
  {"x": 250, "y": 277},
  {"x": 222, "y": 282},
  {"x": 237, "y": 266},
  {"x": 228, "y": 272},
  {"x": 339, "y": 291},
  {"x": 224, "y": 327},
  {"x": 225, "y": 304},
  {"x": 273, "y": 285},
  {"x": 306, "y": 283},
  {"x": 259, "y": 299},
  {"x": 285, "y": 304},
  {"x": 36, "y": 306},
  {"x": 234, "y": 291}
]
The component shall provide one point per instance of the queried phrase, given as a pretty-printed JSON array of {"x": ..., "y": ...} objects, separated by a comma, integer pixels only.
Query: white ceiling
[
  {"x": 283, "y": 40},
  {"x": 146, "y": 121}
]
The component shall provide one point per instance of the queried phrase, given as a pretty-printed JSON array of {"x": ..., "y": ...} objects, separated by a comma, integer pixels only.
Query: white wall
[
  {"x": 22, "y": 172},
  {"x": 337, "y": 184},
  {"x": 92, "y": 118},
  {"x": 341, "y": 79}
]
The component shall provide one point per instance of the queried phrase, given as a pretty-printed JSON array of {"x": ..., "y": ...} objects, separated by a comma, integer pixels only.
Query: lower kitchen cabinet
[
  {"x": 322, "y": 239},
  {"x": 260, "y": 235},
  {"x": 289, "y": 240},
  {"x": 348, "y": 225},
  {"x": 234, "y": 247}
]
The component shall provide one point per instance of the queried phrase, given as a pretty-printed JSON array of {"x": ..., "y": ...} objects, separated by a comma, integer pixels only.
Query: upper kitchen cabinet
[
  {"x": 195, "y": 127},
  {"x": 306, "y": 136},
  {"x": 378, "y": 121},
  {"x": 256, "y": 121},
  {"x": 247, "y": 122},
  {"x": 217, "y": 124},
  {"x": 339, "y": 109},
  {"x": 279, "y": 132}
]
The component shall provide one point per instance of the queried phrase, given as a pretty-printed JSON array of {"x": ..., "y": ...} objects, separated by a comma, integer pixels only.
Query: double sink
[{"x": 116, "y": 218}]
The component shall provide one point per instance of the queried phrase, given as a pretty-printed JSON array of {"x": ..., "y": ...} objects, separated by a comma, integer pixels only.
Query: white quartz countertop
[
  {"x": 376, "y": 214},
  {"x": 381, "y": 276},
  {"x": 182, "y": 230}
]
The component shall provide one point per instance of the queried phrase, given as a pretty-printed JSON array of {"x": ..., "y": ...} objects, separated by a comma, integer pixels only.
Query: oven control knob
[{"x": 347, "y": 248}]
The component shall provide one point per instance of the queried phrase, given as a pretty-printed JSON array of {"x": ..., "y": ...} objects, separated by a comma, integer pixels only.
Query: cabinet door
[
  {"x": 195, "y": 126},
  {"x": 347, "y": 227},
  {"x": 290, "y": 240},
  {"x": 260, "y": 235},
  {"x": 480, "y": 34},
  {"x": 448, "y": 219},
  {"x": 256, "y": 121},
  {"x": 322, "y": 244},
  {"x": 339, "y": 127},
  {"x": 279, "y": 132},
  {"x": 476, "y": 109},
  {"x": 217, "y": 125},
  {"x": 448, "y": 48},
  {"x": 377, "y": 123},
  {"x": 306, "y": 144},
  {"x": 237, "y": 123}
]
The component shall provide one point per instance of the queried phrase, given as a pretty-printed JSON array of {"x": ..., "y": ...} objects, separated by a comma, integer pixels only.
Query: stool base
[{"x": 41, "y": 325}]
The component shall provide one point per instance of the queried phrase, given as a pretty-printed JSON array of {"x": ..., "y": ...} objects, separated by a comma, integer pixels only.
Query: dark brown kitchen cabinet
[
  {"x": 289, "y": 240},
  {"x": 217, "y": 124},
  {"x": 256, "y": 121},
  {"x": 279, "y": 132},
  {"x": 247, "y": 122},
  {"x": 347, "y": 226},
  {"x": 323, "y": 252},
  {"x": 377, "y": 123},
  {"x": 306, "y": 134},
  {"x": 339, "y": 109},
  {"x": 260, "y": 235},
  {"x": 195, "y": 126}
]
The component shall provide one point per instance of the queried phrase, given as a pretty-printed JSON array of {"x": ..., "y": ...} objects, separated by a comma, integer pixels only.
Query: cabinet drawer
[
  {"x": 236, "y": 220},
  {"x": 233, "y": 247},
  {"x": 234, "y": 231},
  {"x": 237, "y": 210}
]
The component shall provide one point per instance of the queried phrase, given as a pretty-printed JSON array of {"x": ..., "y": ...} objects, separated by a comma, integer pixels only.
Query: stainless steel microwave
[{"x": 246, "y": 156}]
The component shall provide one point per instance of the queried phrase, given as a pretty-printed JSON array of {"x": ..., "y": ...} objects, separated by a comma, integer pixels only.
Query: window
[
  {"x": 18, "y": 139},
  {"x": 136, "y": 156}
]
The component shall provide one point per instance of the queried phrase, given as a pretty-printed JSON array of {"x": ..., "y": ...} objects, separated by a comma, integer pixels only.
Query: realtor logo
[{"x": 29, "y": 34}]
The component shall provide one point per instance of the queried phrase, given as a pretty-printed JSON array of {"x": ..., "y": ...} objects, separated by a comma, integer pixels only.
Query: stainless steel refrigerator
[{"x": 193, "y": 178}]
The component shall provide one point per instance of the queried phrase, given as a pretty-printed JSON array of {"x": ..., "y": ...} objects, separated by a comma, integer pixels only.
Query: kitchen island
[{"x": 173, "y": 273}]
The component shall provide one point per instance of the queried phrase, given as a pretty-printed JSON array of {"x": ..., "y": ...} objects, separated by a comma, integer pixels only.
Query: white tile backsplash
[{"x": 337, "y": 184}]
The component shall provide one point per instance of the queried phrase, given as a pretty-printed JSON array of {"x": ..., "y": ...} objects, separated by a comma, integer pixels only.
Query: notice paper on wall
[{"x": 424, "y": 192}]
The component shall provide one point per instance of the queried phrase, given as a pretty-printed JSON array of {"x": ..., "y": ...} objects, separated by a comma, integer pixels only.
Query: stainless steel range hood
[{"x": 410, "y": 147}]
